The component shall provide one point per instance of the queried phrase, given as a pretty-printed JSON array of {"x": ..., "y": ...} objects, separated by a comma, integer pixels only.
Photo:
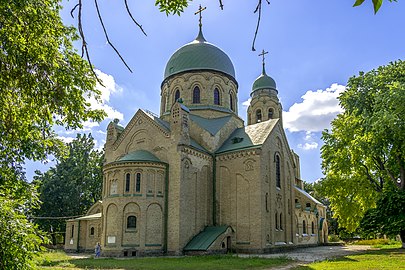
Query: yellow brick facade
[{"x": 166, "y": 178}]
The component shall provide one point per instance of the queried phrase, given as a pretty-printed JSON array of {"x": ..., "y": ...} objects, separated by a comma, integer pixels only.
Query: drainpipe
[
  {"x": 214, "y": 189},
  {"x": 166, "y": 208},
  {"x": 78, "y": 236},
  {"x": 317, "y": 222}
]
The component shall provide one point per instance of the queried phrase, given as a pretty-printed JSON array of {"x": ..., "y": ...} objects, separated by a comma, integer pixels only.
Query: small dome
[
  {"x": 140, "y": 155},
  {"x": 199, "y": 55},
  {"x": 264, "y": 82}
]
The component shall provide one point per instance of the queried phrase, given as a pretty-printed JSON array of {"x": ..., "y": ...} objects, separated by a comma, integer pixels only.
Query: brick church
[{"x": 195, "y": 179}]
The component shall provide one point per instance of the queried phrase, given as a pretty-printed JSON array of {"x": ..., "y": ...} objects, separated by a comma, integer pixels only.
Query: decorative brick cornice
[
  {"x": 191, "y": 151},
  {"x": 123, "y": 165},
  {"x": 239, "y": 154}
]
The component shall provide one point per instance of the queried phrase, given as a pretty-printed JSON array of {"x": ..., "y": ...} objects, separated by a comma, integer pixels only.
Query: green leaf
[
  {"x": 377, "y": 4},
  {"x": 358, "y": 3}
]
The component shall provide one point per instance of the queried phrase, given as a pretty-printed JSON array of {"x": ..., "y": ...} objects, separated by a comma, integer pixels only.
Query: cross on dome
[
  {"x": 199, "y": 11},
  {"x": 263, "y": 54}
]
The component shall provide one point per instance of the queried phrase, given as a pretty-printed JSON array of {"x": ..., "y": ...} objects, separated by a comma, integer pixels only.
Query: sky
[{"x": 314, "y": 47}]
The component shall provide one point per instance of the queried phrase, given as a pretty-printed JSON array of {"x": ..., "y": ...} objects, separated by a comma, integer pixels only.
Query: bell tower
[{"x": 265, "y": 104}]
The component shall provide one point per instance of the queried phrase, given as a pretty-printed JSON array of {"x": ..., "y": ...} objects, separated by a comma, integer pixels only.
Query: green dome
[
  {"x": 264, "y": 82},
  {"x": 140, "y": 155},
  {"x": 199, "y": 55}
]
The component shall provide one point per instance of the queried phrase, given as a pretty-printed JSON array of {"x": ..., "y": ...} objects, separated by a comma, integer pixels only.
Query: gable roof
[
  {"x": 163, "y": 124},
  {"x": 303, "y": 192},
  {"x": 204, "y": 239},
  {"x": 211, "y": 125},
  {"x": 248, "y": 137}
]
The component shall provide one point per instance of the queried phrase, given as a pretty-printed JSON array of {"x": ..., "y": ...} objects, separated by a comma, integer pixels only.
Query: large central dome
[{"x": 199, "y": 55}]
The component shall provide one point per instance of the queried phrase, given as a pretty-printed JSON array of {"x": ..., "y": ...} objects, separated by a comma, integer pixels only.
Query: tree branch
[
  {"x": 259, "y": 10},
  {"x": 73, "y": 9},
  {"x": 130, "y": 15},
  {"x": 84, "y": 43},
  {"x": 370, "y": 178},
  {"x": 221, "y": 5},
  {"x": 108, "y": 39}
]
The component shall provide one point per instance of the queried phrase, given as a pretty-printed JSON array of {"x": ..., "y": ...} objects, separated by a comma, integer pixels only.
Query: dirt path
[{"x": 302, "y": 256}]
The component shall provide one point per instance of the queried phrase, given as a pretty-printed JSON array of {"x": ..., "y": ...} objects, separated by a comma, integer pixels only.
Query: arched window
[
  {"x": 276, "y": 218},
  {"x": 281, "y": 221},
  {"x": 196, "y": 95},
  {"x": 131, "y": 222},
  {"x": 176, "y": 95},
  {"x": 304, "y": 227},
  {"x": 216, "y": 97},
  {"x": 231, "y": 102},
  {"x": 72, "y": 231},
  {"x": 138, "y": 183},
  {"x": 312, "y": 228},
  {"x": 127, "y": 182},
  {"x": 278, "y": 176},
  {"x": 267, "y": 202},
  {"x": 92, "y": 231},
  {"x": 270, "y": 113},
  {"x": 258, "y": 116}
]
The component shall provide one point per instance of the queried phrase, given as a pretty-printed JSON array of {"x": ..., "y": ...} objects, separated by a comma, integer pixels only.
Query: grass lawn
[
  {"x": 60, "y": 261},
  {"x": 385, "y": 258}
]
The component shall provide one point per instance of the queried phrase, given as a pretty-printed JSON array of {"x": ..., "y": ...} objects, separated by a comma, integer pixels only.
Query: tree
[
  {"x": 43, "y": 83},
  {"x": 388, "y": 217},
  {"x": 71, "y": 187},
  {"x": 363, "y": 154}
]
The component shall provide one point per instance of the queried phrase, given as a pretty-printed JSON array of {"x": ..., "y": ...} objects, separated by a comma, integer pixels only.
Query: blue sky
[{"x": 314, "y": 47}]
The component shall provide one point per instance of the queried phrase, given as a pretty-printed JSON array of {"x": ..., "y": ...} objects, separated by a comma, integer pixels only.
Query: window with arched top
[
  {"x": 258, "y": 116},
  {"x": 231, "y": 102},
  {"x": 304, "y": 227},
  {"x": 92, "y": 231},
  {"x": 270, "y": 113},
  {"x": 131, "y": 222},
  {"x": 196, "y": 95},
  {"x": 278, "y": 172},
  {"x": 127, "y": 182},
  {"x": 216, "y": 97},
  {"x": 312, "y": 228},
  {"x": 138, "y": 183},
  {"x": 176, "y": 95},
  {"x": 281, "y": 221}
]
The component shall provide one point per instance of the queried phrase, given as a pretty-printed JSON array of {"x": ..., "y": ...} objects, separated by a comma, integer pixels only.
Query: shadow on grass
[
  {"x": 353, "y": 259},
  {"x": 222, "y": 262}
]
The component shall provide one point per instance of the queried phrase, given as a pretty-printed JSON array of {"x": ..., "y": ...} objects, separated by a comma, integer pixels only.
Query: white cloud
[
  {"x": 308, "y": 146},
  {"x": 65, "y": 139},
  {"x": 315, "y": 112},
  {"x": 246, "y": 103},
  {"x": 310, "y": 142},
  {"x": 109, "y": 88}
]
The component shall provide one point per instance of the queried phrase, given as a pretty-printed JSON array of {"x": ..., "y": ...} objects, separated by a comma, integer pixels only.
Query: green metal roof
[
  {"x": 140, "y": 155},
  {"x": 264, "y": 82},
  {"x": 204, "y": 239},
  {"x": 211, "y": 125},
  {"x": 197, "y": 146},
  {"x": 199, "y": 55},
  {"x": 249, "y": 136}
]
